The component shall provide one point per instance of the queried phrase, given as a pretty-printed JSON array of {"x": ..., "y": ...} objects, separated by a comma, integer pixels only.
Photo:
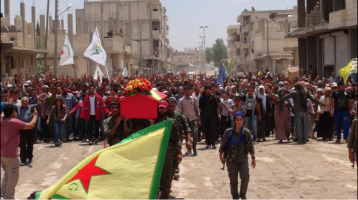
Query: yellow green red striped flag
[{"x": 128, "y": 170}]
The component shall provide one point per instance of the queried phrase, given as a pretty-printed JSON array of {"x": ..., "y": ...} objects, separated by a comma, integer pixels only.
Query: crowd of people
[{"x": 87, "y": 109}]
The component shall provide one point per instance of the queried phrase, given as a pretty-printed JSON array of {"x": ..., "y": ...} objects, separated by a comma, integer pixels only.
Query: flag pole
[{"x": 107, "y": 71}]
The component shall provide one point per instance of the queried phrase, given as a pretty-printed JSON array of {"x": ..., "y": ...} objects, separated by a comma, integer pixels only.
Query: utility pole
[
  {"x": 140, "y": 39},
  {"x": 203, "y": 27},
  {"x": 48, "y": 10},
  {"x": 268, "y": 48},
  {"x": 56, "y": 39}
]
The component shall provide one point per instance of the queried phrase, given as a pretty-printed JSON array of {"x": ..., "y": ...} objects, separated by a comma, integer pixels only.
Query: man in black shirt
[{"x": 342, "y": 106}]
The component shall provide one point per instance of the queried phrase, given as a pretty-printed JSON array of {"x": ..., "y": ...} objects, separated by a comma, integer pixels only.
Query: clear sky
[{"x": 185, "y": 16}]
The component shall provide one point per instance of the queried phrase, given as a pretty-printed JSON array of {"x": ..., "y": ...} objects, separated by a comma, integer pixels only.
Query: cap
[
  {"x": 45, "y": 86},
  {"x": 334, "y": 84},
  {"x": 163, "y": 104}
]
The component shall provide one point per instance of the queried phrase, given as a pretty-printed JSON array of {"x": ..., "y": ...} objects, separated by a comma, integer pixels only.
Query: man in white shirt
[
  {"x": 332, "y": 78},
  {"x": 225, "y": 122}
]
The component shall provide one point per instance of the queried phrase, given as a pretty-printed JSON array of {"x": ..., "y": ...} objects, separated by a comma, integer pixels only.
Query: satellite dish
[
  {"x": 245, "y": 10},
  {"x": 253, "y": 9},
  {"x": 273, "y": 16}
]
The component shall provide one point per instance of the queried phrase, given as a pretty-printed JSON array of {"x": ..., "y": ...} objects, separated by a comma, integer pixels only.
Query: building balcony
[
  {"x": 156, "y": 16},
  {"x": 169, "y": 60},
  {"x": 245, "y": 29},
  {"x": 131, "y": 49},
  {"x": 337, "y": 19},
  {"x": 156, "y": 35},
  {"x": 230, "y": 38},
  {"x": 244, "y": 45},
  {"x": 231, "y": 49},
  {"x": 113, "y": 44}
]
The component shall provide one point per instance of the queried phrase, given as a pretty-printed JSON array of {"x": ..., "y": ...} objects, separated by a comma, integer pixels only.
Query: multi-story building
[
  {"x": 143, "y": 24},
  {"x": 327, "y": 34},
  {"x": 233, "y": 40},
  {"x": 260, "y": 40},
  {"x": 18, "y": 43},
  {"x": 189, "y": 60}
]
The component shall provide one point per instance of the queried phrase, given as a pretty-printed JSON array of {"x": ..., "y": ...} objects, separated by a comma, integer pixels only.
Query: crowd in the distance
[{"x": 73, "y": 109}]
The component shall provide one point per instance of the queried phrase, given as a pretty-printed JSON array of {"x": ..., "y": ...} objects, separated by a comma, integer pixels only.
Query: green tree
[
  {"x": 219, "y": 51},
  {"x": 40, "y": 69},
  {"x": 208, "y": 55}
]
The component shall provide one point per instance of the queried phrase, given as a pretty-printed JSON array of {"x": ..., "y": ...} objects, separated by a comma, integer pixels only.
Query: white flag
[
  {"x": 98, "y": 72},
  {"x": 95, "y": 50},
  {"x": 67, "y": 53},
  {"x": 125, "y": 72}
]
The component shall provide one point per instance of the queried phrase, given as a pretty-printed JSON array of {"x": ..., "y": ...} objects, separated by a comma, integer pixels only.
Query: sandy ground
[{"x": 284, "y": 171}]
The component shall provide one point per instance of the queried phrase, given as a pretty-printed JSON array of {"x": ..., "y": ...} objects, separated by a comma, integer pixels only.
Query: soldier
[
  {"x": 113, "y": 126},
  {"x": 173, "y": 157},
  {"x": 236, "y": 144},
  {"x": 352, "y": 142}
]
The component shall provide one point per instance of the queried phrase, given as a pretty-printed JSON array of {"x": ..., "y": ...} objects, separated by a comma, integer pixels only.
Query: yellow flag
[
  {"x": 128, "y": 170},
  {"x": 348, "y": 70}
]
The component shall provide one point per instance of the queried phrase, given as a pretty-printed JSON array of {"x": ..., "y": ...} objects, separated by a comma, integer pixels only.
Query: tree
[
  {"x": 219, "y": 51},
  {"x": 208, "y": 55}
]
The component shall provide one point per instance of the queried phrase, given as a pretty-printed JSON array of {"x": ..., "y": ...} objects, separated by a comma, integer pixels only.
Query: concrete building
[
  {"x": 327, "y": 34},
  {"x": 233, "y": 40},
  {"x": 188, "y": 60},
  {"x": 260, "y": 40},
  {"x": 18, "y": 43},
  {"x": 142, "y": 25}
]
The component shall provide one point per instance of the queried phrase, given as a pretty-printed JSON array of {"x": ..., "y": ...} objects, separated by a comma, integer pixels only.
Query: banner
[
  {"x": 67, "y": 53},
  {"x": 100, "y": 73},
  {"x": 125, "y": 72},
  {"x": 222, "y": 75},
  {"x": 96, "y": 52},
  {"x": 129, "y": 170}
]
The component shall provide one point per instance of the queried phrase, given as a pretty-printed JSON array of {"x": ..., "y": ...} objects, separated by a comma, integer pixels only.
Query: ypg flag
[
  {"x": 350, "y": 69},
  {"x": 128, "y": 170},
  {"x": 95, "y": 50},
  {"x": 67, "y": 53}
]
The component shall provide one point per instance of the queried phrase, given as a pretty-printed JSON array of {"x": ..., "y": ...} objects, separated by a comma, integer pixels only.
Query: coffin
[{"x": 139, "y": 107}]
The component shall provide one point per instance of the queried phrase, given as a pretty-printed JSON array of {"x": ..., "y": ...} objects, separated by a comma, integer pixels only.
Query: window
[{"x": 155, "y": 9}]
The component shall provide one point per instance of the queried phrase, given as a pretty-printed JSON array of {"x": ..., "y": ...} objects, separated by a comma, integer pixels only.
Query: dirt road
[{"x": 290, "y": 171}]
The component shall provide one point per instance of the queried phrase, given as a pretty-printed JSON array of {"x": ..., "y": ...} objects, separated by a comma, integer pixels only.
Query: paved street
[{"x": 290, "y": 171}]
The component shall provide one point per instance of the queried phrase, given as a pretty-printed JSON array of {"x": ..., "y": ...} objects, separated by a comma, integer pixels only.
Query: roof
[{"x": 8, "y": 47}]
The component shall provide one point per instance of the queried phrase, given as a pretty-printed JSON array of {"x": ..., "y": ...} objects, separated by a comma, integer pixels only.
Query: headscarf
[
  {"x": 262, "y": 96},
  {"x": 280, "y": 96},
  {"x": 243, "y": 126},
  {"x": 325, "y": 98}
]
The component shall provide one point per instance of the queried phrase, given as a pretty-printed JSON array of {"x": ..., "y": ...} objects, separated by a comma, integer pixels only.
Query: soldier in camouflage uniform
[
  {"x": 173, "y": 155},
  {"x": 113, "y": 126},
  {"x": 116, "y": 128}
]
